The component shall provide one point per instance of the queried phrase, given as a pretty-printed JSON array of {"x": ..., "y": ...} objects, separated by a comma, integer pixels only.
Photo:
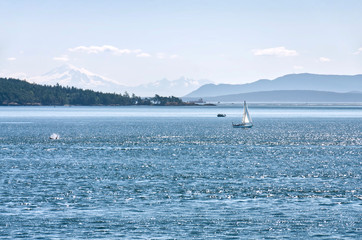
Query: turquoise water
[{"x": 180, "y": 173}]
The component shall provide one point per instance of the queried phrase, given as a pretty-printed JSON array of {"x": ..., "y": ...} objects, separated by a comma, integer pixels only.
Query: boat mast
[{"x": 244, "y": 113}]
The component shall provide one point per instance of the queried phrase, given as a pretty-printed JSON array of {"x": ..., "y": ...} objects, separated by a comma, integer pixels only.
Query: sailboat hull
[{"x": 242, "y": 125}]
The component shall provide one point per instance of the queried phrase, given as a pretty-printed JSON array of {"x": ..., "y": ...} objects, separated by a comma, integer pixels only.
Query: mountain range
[
  {"x": 69, "y": 75},
  {"x": 303, "y": 81},
  {"x": 303, "y": 87},
  {"x": 164, "y": 87}
]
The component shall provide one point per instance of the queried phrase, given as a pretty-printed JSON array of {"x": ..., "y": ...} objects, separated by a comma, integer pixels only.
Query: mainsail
[{"x": 246, "y": 115}]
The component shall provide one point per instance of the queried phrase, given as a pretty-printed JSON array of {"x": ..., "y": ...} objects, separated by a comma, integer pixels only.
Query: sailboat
[{"x": 246, "y": 122}]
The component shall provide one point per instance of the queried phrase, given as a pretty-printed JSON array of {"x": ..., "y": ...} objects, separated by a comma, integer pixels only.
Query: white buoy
[{"x": 54, "y": 136}]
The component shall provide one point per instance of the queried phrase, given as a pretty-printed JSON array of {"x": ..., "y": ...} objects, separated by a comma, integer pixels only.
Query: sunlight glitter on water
[{"x": 183, "y": 177}]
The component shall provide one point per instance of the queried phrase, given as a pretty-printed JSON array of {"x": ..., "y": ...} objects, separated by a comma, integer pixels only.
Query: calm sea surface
[{"x": 180, "y": 173}]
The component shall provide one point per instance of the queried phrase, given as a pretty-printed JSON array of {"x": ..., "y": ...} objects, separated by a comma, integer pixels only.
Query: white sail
[{"x": 246, "y": 115}]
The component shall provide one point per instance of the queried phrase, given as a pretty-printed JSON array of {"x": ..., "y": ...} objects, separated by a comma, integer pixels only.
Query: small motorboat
[
  {"x": 54, "y": 136},
  {"x": 221, "y": 115}
]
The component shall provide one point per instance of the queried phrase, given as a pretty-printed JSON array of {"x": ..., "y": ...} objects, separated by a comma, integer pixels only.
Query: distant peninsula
[{"x": 15, "y": 92}]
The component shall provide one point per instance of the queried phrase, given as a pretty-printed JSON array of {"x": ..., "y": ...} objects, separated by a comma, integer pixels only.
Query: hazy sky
[{"x": 224, "y": 41}]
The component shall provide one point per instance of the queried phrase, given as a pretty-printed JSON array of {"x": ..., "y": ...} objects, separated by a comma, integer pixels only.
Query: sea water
[{"x": 180, "y": 173}]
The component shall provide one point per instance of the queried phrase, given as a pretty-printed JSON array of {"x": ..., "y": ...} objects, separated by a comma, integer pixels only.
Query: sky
[{"x": 137, "y": 42}]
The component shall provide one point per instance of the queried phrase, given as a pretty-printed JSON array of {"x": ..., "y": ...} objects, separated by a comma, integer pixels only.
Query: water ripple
[{"x": 193, "y": 178}]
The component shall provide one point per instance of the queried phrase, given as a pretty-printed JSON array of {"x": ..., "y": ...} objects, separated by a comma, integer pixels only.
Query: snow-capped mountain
[
  {"x": 69, "y": 75},
  {"x": 164, "y": 87}
]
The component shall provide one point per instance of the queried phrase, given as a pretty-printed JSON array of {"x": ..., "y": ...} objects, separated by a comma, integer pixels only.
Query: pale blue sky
[{"x": 136, "y": 42}]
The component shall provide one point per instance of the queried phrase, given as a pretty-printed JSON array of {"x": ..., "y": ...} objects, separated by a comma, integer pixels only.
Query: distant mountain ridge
[
  {"x": 303, "y": 81},
  {"x": 280, "y": 96}
]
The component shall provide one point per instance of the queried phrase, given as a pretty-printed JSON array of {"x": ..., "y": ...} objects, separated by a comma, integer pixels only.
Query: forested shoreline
[{"x": 19, "y": 92}]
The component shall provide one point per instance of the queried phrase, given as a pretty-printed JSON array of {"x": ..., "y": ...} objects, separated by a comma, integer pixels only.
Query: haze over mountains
[{"x": 69, "y": 75}]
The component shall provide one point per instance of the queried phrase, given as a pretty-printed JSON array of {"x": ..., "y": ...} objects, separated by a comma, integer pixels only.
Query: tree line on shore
[{"x": 20, "y": 92}]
